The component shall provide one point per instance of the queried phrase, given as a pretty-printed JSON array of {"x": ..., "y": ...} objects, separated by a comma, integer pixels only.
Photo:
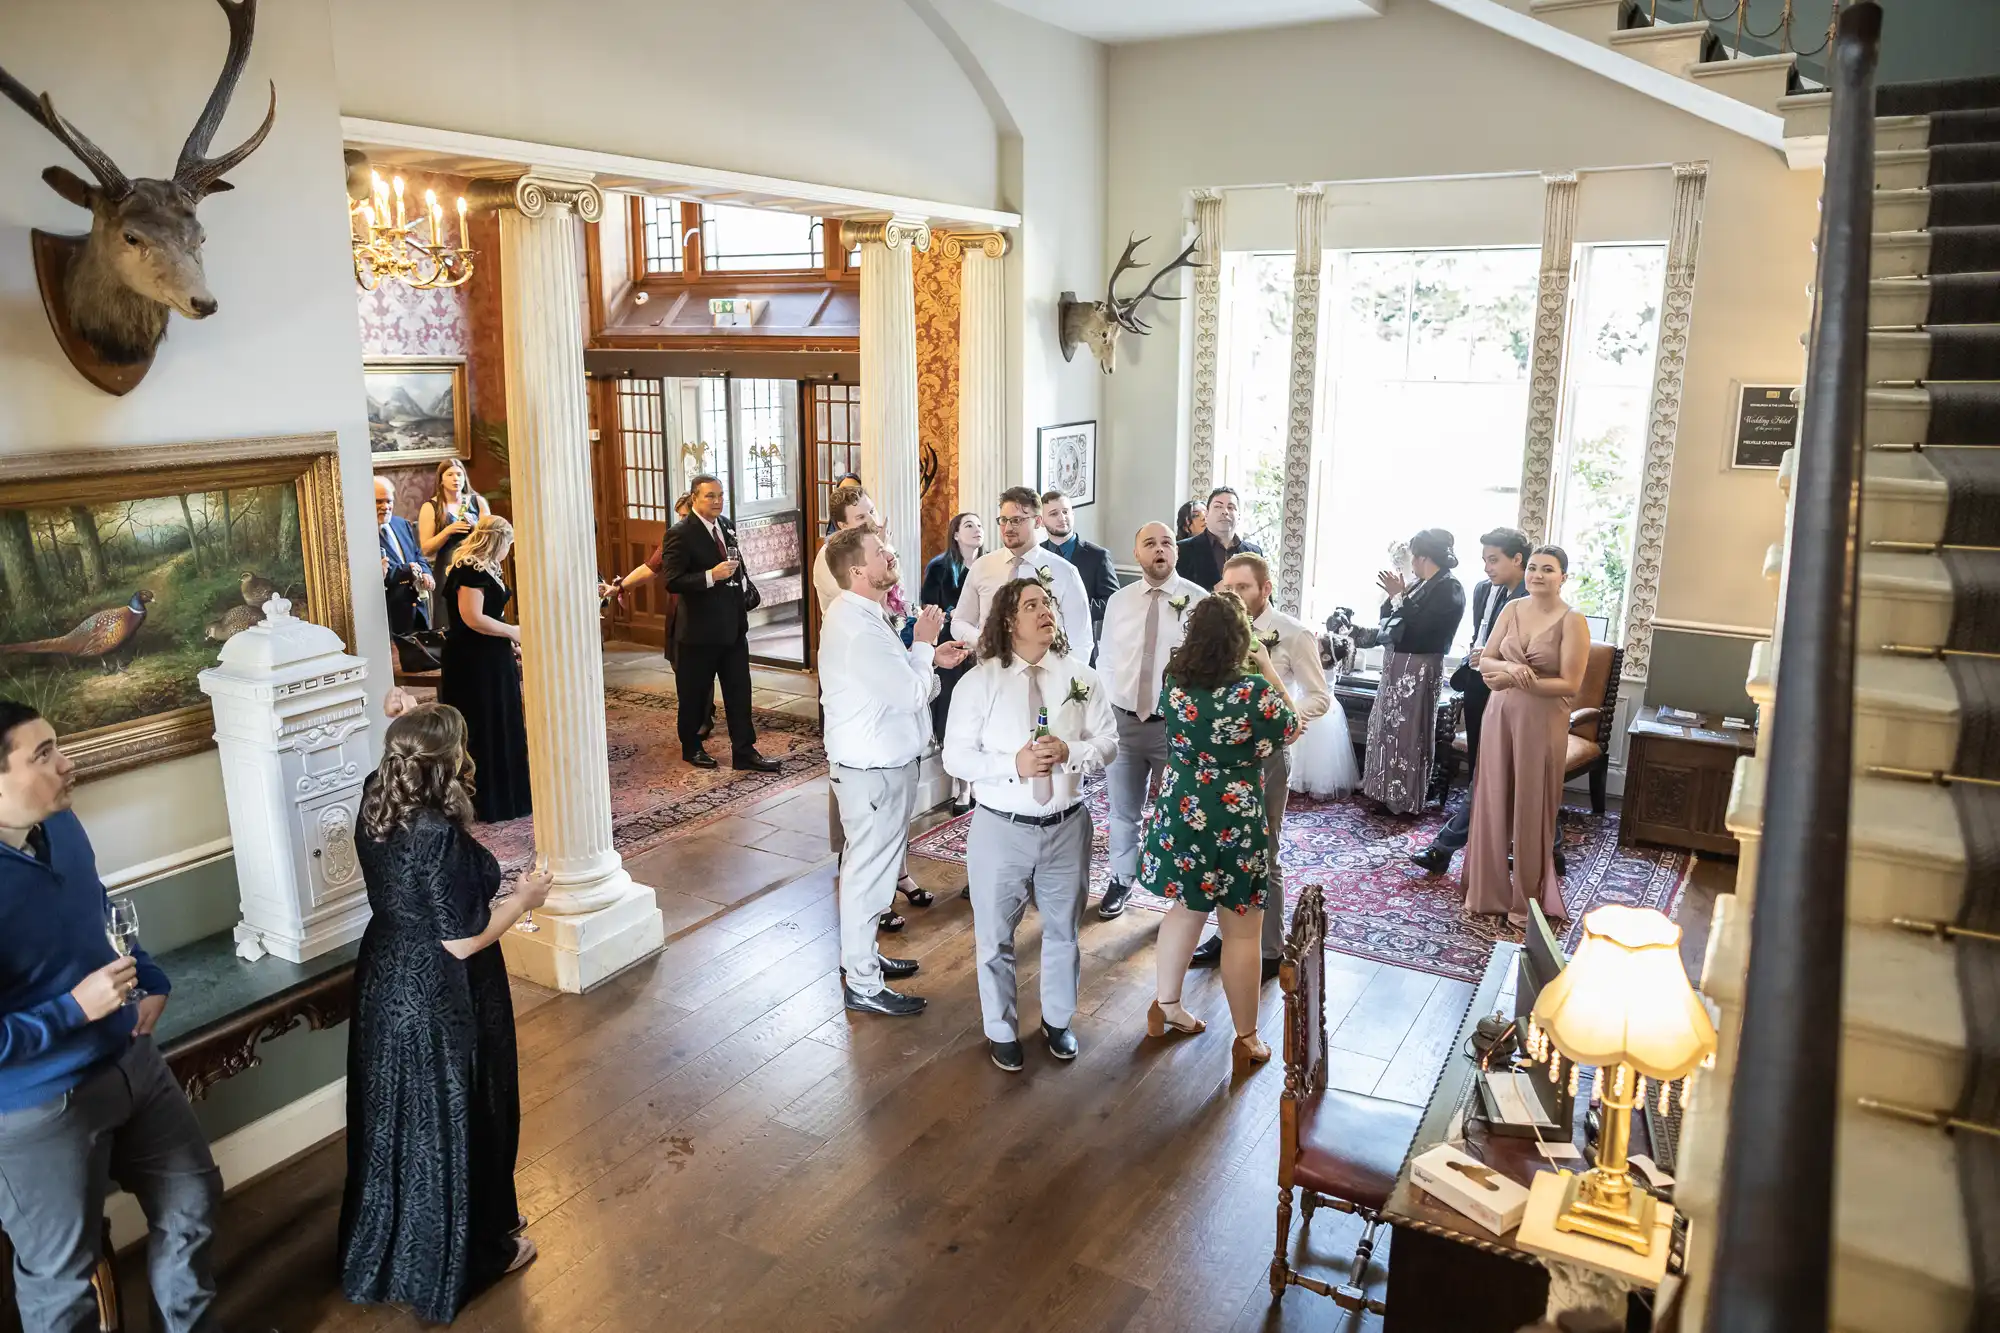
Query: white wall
[
  {"x": 1422, "y": 93},
  {"x": 282, "y": 355}
]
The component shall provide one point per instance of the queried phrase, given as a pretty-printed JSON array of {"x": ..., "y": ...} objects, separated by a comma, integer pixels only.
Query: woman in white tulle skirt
[{"x": 1323, "y": 759}]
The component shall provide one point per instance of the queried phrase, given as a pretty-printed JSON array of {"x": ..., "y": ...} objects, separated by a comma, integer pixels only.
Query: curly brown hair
[
  {"x": 1216, "y": 644},
  {"x": 996, "y": 636},
  {"x": 424, "y": 767}
]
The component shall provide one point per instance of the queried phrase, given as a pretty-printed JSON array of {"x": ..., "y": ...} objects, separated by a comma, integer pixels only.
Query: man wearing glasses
[{"x": 1022, "y": 556}]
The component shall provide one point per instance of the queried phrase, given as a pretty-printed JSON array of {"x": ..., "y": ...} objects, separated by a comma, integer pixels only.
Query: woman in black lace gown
[
  {"x": 482, "y": 676},
  {"x": 429, "y": 1218}
]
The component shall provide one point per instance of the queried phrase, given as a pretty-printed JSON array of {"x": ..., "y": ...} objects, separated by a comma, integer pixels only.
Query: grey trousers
[
  {"x": 876, "y": 805},
  {"x": 1008, "y": 864},
  {"x": 1142, "y": 752},
  {"x": 1277, "y": 791},
  {"x": 128, "y": 1122}
]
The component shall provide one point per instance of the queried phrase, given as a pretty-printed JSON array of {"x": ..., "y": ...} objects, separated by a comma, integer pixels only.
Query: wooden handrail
[{"x": 1774, "y": 1239}]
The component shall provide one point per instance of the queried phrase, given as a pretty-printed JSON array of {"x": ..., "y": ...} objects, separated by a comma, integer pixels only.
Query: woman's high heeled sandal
[
  {"x": 1158, "y": 1024},
  {"x": 1249, "y": 1052}
]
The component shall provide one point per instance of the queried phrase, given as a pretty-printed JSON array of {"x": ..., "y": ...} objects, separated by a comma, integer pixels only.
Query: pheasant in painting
[{"x": 102, "y": 637}]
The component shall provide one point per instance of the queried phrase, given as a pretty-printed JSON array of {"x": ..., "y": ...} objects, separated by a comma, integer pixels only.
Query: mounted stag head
[
  {"x": 108, "y": 294},
  {"x": 1097, "y": 324}
]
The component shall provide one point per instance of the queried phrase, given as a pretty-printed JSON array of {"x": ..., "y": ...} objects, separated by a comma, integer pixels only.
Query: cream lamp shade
[{"x": 1625, "y": 998}]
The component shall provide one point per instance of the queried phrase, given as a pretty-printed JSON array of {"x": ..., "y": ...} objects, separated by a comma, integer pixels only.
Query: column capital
[
  {"x": 955, "y": 244},
  {"x": 893, "y": 232},
  {"x": 535, "y": 191}
]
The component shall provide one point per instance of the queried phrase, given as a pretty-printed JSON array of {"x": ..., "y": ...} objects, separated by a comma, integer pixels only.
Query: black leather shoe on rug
[
  {"x": 699, "y": 758},
  {"x": 1432, "y": 860},
  {"x": 885, "y": 1002},
  {"x": 1209, "y": 954},
  {"x": 1062, "y": 1042},
  {"x": 756, "y": 763},
  {"x": 1007, "y": 1055},
  {"x": 1113, "y": 902},
  {"x": 897, "y": 968}
]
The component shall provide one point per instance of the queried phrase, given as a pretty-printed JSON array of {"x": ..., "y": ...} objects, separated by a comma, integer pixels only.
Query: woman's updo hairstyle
[
  {"x": 424, "y": 767},
  {"x": 1556, "y": 553}
]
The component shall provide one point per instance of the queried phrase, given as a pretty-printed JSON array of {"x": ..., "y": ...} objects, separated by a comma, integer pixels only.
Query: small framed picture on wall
[
  {"x": 1067, "y": 461},
  {"x": 1765, "y": 423},
  {"x": 417, "y": 408}
]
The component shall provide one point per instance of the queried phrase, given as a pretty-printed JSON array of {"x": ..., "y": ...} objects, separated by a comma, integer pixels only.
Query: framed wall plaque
[
  {"x": 1068, "y": 461},
  {"x": 1765, "y": 424}
]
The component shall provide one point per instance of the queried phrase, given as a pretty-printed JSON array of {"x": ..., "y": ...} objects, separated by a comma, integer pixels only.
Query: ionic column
[
  {"x": 982, "y": 367},
  {"x": 1545, "y": 370},
  {"x": 889, "y": 455},
  {"x": 597, "y": 920},
  {"x": 1207, "y": 341},
  {"x": 1292, "y": 522},
  {"x": 1642, "y": 597}
]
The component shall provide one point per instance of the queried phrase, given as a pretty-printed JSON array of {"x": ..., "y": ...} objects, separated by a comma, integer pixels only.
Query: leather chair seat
[
  {"x": 1352, "y": 1147},
  {"x": 1580, "y": 753}
]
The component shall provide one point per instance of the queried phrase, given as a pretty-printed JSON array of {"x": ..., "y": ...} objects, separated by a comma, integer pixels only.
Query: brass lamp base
[{"x": 1606, "y": 1207}]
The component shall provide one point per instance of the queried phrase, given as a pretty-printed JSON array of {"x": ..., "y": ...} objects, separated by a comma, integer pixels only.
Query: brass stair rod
[
  {"x": 1936, "y": 777},
  {"x": 1924, "y": 548},
  {"x": 1935, "y": 654},
  {"x": 1918, "y": 1116},
  {"x": 1943, "y": 930}
]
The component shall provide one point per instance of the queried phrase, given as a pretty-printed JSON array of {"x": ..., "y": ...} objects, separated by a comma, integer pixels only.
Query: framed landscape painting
[
  {"x": 124, "y": 571},
  {"x": 1068, "y": 461},
  {"x": 417, "y": 409}
]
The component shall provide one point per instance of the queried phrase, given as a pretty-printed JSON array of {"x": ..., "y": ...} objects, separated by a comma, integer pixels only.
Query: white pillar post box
[{"x": 291, "y": 721}]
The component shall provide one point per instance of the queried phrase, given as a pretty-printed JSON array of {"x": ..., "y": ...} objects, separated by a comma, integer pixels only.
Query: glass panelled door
[{"x": 833, "y": 425}]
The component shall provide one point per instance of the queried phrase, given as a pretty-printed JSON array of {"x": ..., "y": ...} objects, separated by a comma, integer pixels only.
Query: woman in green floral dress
[{"x": 1206, "y": 845}]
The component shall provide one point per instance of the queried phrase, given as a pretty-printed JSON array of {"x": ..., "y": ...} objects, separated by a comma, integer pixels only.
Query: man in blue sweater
[{"x": 85, "y": 1098}]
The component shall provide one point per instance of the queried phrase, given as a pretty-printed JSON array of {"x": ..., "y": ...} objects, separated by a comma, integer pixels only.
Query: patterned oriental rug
[
  {"x": 655, "y": 798},
  {"x": 1380, "y": 906}
]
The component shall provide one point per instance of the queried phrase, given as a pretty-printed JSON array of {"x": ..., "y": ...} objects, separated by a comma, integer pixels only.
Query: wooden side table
[{"x": 1677, "y": 777}]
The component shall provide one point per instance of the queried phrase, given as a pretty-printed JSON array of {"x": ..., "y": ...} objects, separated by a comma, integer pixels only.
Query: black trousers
[{"x": 697, "y": 667}]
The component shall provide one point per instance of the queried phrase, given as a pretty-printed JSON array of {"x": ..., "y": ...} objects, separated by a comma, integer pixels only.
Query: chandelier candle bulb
[
  {"x": 401, "y": 221},
  {"x": 464, "y": 236}
]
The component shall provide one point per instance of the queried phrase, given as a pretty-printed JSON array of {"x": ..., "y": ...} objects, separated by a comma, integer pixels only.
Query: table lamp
[{"x": 1623, "y": 1005}]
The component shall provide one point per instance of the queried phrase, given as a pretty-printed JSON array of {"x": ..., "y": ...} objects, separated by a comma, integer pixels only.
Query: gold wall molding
[
  {"x": 533, "y": 193},
  {"x": 894, "y": 233},
  {"x": 955, "y": 244}
]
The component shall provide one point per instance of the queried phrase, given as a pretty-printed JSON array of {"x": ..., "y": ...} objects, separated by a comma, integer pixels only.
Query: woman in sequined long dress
[{"x": 1402, "y": 727}]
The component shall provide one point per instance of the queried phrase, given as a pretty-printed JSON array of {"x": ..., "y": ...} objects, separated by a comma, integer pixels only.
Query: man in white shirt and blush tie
[
  {"x": 1143, "y": 624},
  {"x": 1026, "y": 726},
  {"x": 1294, "y": 651},
  {"x": 876, "y": 695},
  {"x": 1022, "y": 556}
]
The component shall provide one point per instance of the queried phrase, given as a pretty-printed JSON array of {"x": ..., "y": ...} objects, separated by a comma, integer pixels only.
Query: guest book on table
[{"x": 1473, "y": 1188}]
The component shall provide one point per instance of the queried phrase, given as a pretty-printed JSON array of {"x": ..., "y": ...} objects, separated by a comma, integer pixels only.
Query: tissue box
[{"x": 1473, "y": 1188}]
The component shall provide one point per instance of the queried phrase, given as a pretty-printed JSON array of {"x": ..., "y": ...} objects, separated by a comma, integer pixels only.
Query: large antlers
[
  {"x": 1126, "y": 312},
  {"x": 109, "y": 177},
  {"x": 200, "y": 175}
]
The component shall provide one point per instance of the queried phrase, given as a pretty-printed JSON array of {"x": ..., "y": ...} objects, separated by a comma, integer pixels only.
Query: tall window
[
  {"x": 1255, "y": 374},
  {"x": 1422, "y": 409},
  {"x": 836, "y": 435},
  {"x": 641, "y": 414},
  {"x": 765, "y": 435},
  {"x": 704, "y": 429},
  {"x": 1601, "y": 448},
  {"x": 661, "y": 231}
]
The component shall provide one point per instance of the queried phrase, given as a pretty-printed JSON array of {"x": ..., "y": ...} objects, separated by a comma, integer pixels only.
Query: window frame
[{"x": 695, "y": 272}]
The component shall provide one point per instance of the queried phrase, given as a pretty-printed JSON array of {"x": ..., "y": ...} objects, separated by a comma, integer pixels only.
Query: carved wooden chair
[
  {"x": 1590, "y": 722},
  {"x": 1340, "y": 1149}
]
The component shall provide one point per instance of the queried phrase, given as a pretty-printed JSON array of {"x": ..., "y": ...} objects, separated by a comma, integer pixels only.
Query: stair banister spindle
[
  {"x": 1774, "y": 1240},
  {"x": 1785, "y": 26}
]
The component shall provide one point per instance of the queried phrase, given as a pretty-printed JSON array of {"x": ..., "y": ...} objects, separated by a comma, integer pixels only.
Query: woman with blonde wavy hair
[
  {"x": 481, "y": 676},
  {"x": 429, "y": 1218}
]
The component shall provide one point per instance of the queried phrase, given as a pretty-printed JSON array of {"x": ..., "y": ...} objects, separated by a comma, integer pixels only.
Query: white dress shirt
[
  {"x": 876, "y": 692},
  {"x": 990, "y": 572},
  {"x": 1296, "y": 657},
  {"x": 989, "y": 724},
  {"x": 1124, "y": 644}
]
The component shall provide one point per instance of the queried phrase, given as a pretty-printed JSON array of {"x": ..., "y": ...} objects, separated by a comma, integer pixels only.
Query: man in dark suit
[
  {"x": 406, "y": 577},
  {"x": 1093, "y": 562},
  {"x": 701, "y": 563},
  {"x": 1504, "y": 552},
  {"x": 1202, "y": 556}
]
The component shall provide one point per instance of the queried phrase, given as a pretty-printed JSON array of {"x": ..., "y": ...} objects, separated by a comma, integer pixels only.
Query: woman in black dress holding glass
[
  {"x": 482, "y": 675},
  {"x": 429, "y": 1218},
  {"x": 444, "y": 521}
]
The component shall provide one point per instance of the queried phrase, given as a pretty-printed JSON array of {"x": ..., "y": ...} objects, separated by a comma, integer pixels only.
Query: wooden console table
[{"x": 1677, "y": 779}]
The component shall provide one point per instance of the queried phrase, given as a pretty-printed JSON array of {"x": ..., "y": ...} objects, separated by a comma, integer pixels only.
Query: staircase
[
  {"x": 1923, "y": 846},
  {"x": 1697, "y": 51}
]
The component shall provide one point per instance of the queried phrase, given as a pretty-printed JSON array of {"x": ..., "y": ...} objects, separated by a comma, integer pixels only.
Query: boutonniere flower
[
  {"x": 1045, "y": 576},
  {"x": 1269, "y": 639},
  {"x": 1178, "y": 605},
  {"x": 1079, "y": 692}
]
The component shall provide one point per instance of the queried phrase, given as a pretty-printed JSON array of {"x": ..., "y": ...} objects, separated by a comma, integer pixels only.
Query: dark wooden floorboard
[{"x": 709, "y": 1142}]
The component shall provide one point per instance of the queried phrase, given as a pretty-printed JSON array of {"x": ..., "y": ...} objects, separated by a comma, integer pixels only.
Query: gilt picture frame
[
  {"x": 124, "y": 571},
  {"x": 418, "y": 409},
  {"x": 1066, "y": 461}
]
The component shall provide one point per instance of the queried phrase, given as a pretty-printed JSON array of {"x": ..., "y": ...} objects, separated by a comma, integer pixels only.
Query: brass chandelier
[{"x": 387, "y": 248}]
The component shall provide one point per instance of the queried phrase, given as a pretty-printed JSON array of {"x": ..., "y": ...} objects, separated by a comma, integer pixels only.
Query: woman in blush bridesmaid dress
[{"x": 1534, "y": 663}]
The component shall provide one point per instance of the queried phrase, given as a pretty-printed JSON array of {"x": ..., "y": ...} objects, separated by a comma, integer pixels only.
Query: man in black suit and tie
[
  {"x": 701, "y": 562},
  {"x": 1203, "y": 555},
  {"x": 406, "y": 576},
  {"x": 1504, "y": 551},
  {"x": 1093, "y": 562}
]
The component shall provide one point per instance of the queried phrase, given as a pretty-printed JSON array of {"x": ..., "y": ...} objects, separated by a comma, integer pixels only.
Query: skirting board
[{"x": 260, "y": 1146}]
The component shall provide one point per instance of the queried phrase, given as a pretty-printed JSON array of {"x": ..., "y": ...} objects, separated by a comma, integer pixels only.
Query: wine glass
[
  {"x": 121, "y": 927},
  {"x": 526, "y": 925}
]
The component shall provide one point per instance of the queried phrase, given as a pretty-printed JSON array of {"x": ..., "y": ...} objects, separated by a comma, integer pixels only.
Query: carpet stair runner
[{"x": 1917, "y": 1246}]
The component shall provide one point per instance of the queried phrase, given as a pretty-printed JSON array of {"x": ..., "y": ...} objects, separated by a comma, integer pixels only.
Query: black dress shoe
[
  {"x": 1209, "y": 954},
  {"x": 1271, "y": 966},
  {"x": 699, "y": 758},
  {"x": 1112, "y": 904},
  {"x": 1007, "y": 1054},
  {"x": 897, "y": 968},
  {"x": 1062, "y": 1042},
  {"x": 1432, "y": 860},
  {"x": 756, "y": 763},
  {"x": 1562, "y": 865},
  {"x": 884, "y": 1001}
]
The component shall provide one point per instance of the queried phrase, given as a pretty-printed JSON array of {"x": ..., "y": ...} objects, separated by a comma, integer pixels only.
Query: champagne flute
[
  {"x": 526, "y": 925},
  {"x": 121, "y": 927}
]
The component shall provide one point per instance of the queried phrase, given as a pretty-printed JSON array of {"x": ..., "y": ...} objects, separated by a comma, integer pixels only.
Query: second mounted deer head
[
  {"x": 1097, "y": 324},
  {"x": 109, "y": 293}
]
